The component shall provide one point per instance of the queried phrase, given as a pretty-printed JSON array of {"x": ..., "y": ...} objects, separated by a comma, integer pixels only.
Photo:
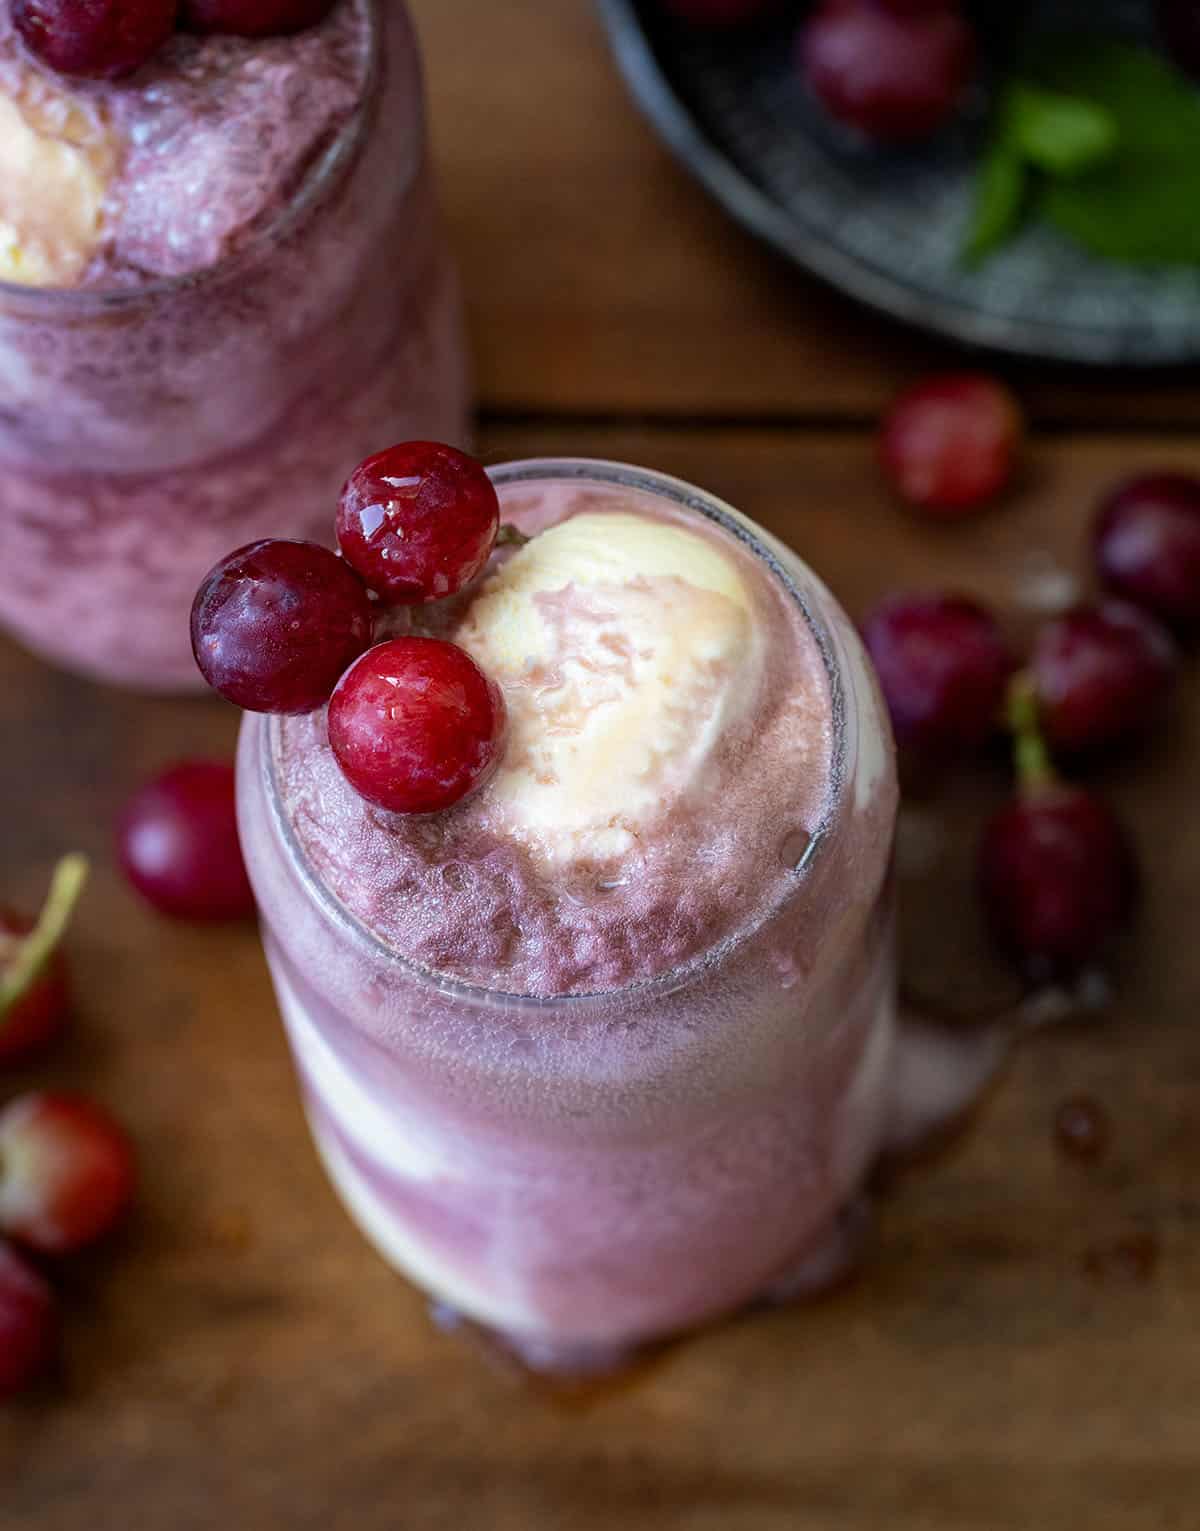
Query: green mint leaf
[
  {"x": 1060, "y": 134},
  {"x": 1139, "y": 204},
  {"x": 1000, "y": 184}
]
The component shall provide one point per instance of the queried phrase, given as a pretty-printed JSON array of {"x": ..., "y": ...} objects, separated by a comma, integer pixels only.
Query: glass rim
[
  {"x": 322, "y": 174},
  {"x": 688, "y": 497}
]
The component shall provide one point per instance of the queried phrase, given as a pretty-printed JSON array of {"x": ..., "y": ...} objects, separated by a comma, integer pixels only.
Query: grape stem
[
  {"x": 509, "y": 537},
  {"x": 39, "y": 946},
  {"x": 1035, "y": 769}
]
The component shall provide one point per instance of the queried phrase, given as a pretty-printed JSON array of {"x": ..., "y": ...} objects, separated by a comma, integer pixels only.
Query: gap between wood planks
[{"x": 853, "y": 423}]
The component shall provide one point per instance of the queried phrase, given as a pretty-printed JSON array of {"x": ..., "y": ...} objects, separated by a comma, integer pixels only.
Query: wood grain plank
[
  {"x": 601, "y": 279},
  {"x": 240, "y": 1359}
]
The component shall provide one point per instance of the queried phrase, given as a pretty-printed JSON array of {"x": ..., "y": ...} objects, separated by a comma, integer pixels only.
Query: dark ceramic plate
[{"x": 886, "y": 227}]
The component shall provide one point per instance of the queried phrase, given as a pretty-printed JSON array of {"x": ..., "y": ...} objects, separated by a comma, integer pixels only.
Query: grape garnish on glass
[
  {"x": 414, "y": 723},
  {"x": 418, "y": 522},
  {"x": 93, "y": 39},
  {"x": 106, "y": 39},
  {"x": 275, "y": 624},
  {"x": 254, "y": 18}
]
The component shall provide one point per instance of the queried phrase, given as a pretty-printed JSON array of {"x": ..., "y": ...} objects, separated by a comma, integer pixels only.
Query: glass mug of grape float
[
  {"x": 216, "y": 285},
  {"x": 576, "y": 893}
]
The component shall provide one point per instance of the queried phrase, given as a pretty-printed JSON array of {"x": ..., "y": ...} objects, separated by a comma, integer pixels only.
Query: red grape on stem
[
  {"x": 893, "y": 72},
  {"x": 33, "y": 979},
  {"x": 416, "y": 725},
  {"x": 66, "y": 1172},
  {"x": 93, "y": 39},
  {"x": 950, "y": 444},
  {"x": 28, "y": 1323},
  {"x": 1057, "y": 874},
  {"x": 34, "y": 1020}
]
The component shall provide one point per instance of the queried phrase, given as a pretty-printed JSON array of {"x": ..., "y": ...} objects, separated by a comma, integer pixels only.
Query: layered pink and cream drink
[
  {"x": 604, "y": 1051},
  {"x": 221, "y": 278}
]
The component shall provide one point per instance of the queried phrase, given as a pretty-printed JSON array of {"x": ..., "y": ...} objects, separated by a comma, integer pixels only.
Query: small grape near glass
[
  {"x": 576, "y": 894},
  {"x": 221, "y": 271}
]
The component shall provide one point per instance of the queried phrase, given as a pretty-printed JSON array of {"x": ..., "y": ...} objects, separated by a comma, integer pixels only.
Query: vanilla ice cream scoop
[
  {"x": 626, "y": 647},
  {"x": 56, "y": 161}
]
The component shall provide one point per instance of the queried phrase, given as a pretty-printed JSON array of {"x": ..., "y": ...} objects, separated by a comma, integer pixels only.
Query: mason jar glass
[
  {"x": 587, "y": 1172},
  {"x": 145, "y": 431}
]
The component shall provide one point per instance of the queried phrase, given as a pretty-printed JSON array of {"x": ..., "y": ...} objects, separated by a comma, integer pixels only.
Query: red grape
[
  {"x": 950, "y": 444},
  {"x": 943, "y": 666},
  {"x": 66, "y": 1172},
  {"x": 28, "y": 1323},
  {"x": 1148, "y": 546},
  {"x": 1101, "y": 674},
  {"x": 178, "y": 844},
  {"x": 40, "y": 1013},
  {"x": 894, "y": 72},
  {"x": 275, "y": 624},
  {"x": 254, "y": 18},
  {"x": 418, "y": 522},
  {"x": 1057, "y": 878},
  {"x": 416, "y": 725},
  {"x": 93, "y": 39}
]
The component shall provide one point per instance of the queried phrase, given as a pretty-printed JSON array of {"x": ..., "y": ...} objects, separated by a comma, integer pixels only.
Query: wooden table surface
[{"x": 238, "y": 1359}]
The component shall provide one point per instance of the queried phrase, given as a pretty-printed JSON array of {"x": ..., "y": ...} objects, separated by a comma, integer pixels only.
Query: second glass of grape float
[{"x": 149, "y": 423}]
